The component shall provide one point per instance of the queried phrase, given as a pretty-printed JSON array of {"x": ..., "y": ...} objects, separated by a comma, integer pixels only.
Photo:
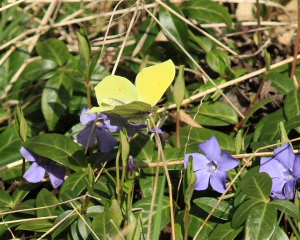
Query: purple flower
[
  {"x": 211, "y": 167},
  {"x": 131, "y": 164},
  {"x": 284, "y": 169},
  {"x": 106, "y": 140},
  {"x": 131, "y": 128},
  {"x": 36, "y": 172}
]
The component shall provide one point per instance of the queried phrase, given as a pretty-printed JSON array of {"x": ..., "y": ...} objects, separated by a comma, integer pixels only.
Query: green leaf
[
  {"x": 189, "y": 182},
  {"x": 84, "y": 45},
  {"x": 105, "y": 188},
  {"x": 36, "y": 70},
  {"x": 287, "y": 207},
  {"x": 44, "y": 199},
  {"x": 177, "y": 28},
  {"x": 147, "y": 181},
  {"x": 83, "y": 229},
  {"x": 199, "y": 135},
  {"x": 10, "y": 145},
  {"x": 21, "y": 192},
  {"x": 215, "y": 114},
  {"x": 64, "y": 222},
  {"x": 54, "y": 50},
  {"x": 239, "y": 142},
  {"x": 179, "y": 87},
  {"x": 258, "y": 186},
  {"x": 267, "y": 128},
  {"x": 241, "y": 214},
  {"x": 261, "y": 222},
  {"x": 75, "y": 183},
  {"x": 39, "y": 225},
  {"x": 206, "y": 11},
  {"x": 142, "y": 148},
  {"x": 292, "y": 105},
  {"x": 282, "y": 83},
  {"x": 145, "y": 205},
  {"x": 293, "y": 123},
  {"x": 256, "y": 107},
  {"x": 20, "y": 124},
  {"x": 5, "y": 199},
  {"x": 207, "y": 204},
  {"x": 60, "y": 149},
  {"x": 279, "y": 234},
  {"x": 218, "y": 61},
  {"x": 224, "y": 232},
  {"x": 56, "y": 98},
  {"x": 106, "y": 224}
]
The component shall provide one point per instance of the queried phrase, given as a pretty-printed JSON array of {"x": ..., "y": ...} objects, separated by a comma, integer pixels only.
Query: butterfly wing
[
  {"x": 131, "y": 110},
  {"x": 115, "y": 89},
  {"x": 152, "y": 82}
]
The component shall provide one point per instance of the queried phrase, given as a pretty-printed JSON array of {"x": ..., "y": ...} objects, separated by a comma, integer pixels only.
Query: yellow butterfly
[{"x": 116, "y": 94}]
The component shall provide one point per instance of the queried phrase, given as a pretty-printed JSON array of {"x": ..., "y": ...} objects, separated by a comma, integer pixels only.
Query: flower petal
[
  {"x": 84, "y": 135},
  {"x": 106, "y": 140},
  {"x": 277, "y": 195},
  {"x": 285, "y": 155},
  {"x": 29, "y": 155},
  {"x": 87, "y": 118},
  {"x": 34, "y": 173},
  {"x": 227, "y": 162},
  {"x": 56, "y": 174},
  {"x": 200, "y": 161},
  {"x": 274, "y": 168},
  {"x": 278, "y": 184},
  {"x": 289, "y": 188},
  {"x": 296, "y": 170},
  {"x": 108, "y": 125},
  {"x": 202, "y": 179},
  {"x": 218, "y": 181},
  {"x": 211, "y": 149}
]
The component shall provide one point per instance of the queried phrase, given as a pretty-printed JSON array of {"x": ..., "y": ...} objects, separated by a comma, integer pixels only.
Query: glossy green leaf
[
  {"x": 215, "y": 114},
  {"x": 287, "y": 207},
  {"x": 199, "y": 135},
  {"x": 242, "y": 212},
  {"x": 147, "y": 181},
  {"x": 179, "y": 87},
  {"x": 64, "y": 221},
  {"x": 106, "y": 224},
  {"x": 292, "y": 104},
  {"x": 281, "y": 82},
  {"x": 145, "y": 204},
  {"x": 206, "y": 11},
  {"x": 279, "y": 234},
  {"x": 20, "y": 124},
  {"x": 239, "y": 142},
  {"x": 36, "y": 70},
  {"x": 267, "y": 129},
  {"x": 5, "y": 199},
  {"x": 10, "y": 145},
  {"x": 60, "y": 149},
  {"x": 224, "y": 232},
  {"x": 84, "y": 45},
  {"x": 283, "y": 133},
  {"x": 258, "y": 186},
  {"x": 70, "y": 197},
  {"x": 142, "y": 148},
  {"x": 218, "y": 61},
  {"x": 261, "y": 222},
  {"x": 105, "y": 188},
  {"x": 44, "y": 199},
  {"x": 83, "y": 228},
  {"x": 256, "y": 107},
  {"x": 56, "y": 98},
  {"x": 293, "y": 123},
  {"x": 21, "y": 192},
  {"x": 176, "y": 27},
  {"x": 39, "y": 225},
  {"x": 76, "y": 183},
  {"x": 54, "y": 50},
  {"x": 207, "y": 204},
  {"x": 189, "y": 182}
]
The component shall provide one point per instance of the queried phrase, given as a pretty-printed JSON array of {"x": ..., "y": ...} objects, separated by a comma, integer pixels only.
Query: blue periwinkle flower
[
  {"x": 211, "y": 167},
  {"x": 36, "y": 172},
  {"x": 284, "y": 169},
  {"x": 106, "y": 140}
]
